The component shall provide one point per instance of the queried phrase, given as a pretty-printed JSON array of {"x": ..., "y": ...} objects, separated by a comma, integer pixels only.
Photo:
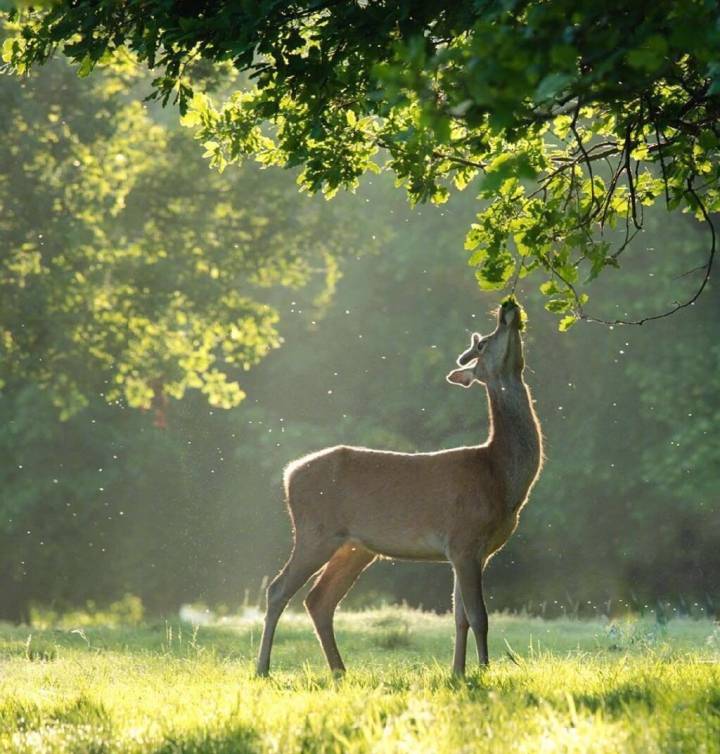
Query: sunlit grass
[{"x": 556, "y": 686}]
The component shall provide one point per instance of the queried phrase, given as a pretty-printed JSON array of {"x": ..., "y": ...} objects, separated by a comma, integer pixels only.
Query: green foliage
[
  {"x": 131, "y": 270},
  {"x": 577, "y": 115},
  {"x": 570, "y": 686},
  {"x": 127, "y": 611}
]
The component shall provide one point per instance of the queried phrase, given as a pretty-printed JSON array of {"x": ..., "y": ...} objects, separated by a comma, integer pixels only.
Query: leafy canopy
[{"x": 576, "y": 116}]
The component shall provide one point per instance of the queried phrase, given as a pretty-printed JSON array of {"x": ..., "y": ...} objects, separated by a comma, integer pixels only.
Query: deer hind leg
[
  {"x": 306, "y": 559},
  {"x": 331, "y": 586},
  {"x": 461, "y": 631}
]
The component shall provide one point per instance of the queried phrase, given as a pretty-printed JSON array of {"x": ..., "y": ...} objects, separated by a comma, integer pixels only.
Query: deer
[{"x": 351, "y": 505}]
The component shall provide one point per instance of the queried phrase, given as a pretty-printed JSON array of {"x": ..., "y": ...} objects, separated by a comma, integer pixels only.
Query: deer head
[{"x": 497, "y": 356}]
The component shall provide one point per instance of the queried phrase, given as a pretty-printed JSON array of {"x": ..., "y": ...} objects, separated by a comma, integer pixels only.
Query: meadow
[{"x": 631, "y": 685}]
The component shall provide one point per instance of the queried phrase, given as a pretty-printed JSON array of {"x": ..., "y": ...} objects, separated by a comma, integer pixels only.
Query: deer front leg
[
  {"x": 461, "y": 631},
  {"x": 468, "y": 572}
]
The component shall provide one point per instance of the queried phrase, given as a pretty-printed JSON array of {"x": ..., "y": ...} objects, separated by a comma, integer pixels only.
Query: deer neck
[{"x": 515, "y": 442}]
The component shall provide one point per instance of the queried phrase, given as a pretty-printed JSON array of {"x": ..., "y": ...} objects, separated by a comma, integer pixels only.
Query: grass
[{"x": 554, "y": 686}]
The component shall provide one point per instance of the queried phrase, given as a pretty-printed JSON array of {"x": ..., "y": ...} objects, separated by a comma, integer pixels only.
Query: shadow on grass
[
  {"x": 618, "y": 699},
  {"x": 24, "y": 717},
  {"x": 82, "y": 726},
  {"x": 230, "y": 740}
]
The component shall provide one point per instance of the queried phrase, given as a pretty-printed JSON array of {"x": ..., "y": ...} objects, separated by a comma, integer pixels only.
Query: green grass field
[{"x": 553, "y": 686}]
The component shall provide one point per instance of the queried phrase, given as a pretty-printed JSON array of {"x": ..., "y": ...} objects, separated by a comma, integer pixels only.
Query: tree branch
[{"x": 707, "y": 267}]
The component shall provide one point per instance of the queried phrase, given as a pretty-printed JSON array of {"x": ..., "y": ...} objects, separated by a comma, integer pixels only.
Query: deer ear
[{"x": 464, "y": 377}]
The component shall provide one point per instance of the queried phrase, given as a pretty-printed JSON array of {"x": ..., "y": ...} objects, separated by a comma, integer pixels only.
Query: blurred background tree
[{"x": 132, "y": 269}]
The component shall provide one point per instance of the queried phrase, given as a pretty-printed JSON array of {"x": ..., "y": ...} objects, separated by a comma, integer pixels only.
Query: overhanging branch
[{"x": 706, "y": 277}]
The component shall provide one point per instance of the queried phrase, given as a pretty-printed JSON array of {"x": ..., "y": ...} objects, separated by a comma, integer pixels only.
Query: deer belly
[{"x": 420, "y": 546}]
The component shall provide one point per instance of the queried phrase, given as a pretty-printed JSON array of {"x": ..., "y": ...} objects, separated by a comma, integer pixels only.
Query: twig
[
  {"x": 581, "y": 146},
  {"x": 690, "y": 272},
  {"x": 707, "y": 267},
  {"x": 610, "y": 192},
  {"x": 628, "y": 236},
  {"x": 628, "y": 172},
  {"x": 663, "y": 168}
]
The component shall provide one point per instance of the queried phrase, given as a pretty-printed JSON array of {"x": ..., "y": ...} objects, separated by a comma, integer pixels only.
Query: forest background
[{"x": 337, "y": 322}]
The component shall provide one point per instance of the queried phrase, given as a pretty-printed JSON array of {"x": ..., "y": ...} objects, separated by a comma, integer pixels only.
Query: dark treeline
[{"x": 182, "y": 502}]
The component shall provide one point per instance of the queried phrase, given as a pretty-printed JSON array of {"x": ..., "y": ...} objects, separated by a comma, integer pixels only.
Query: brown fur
[{"x": 349, "y": 505}]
